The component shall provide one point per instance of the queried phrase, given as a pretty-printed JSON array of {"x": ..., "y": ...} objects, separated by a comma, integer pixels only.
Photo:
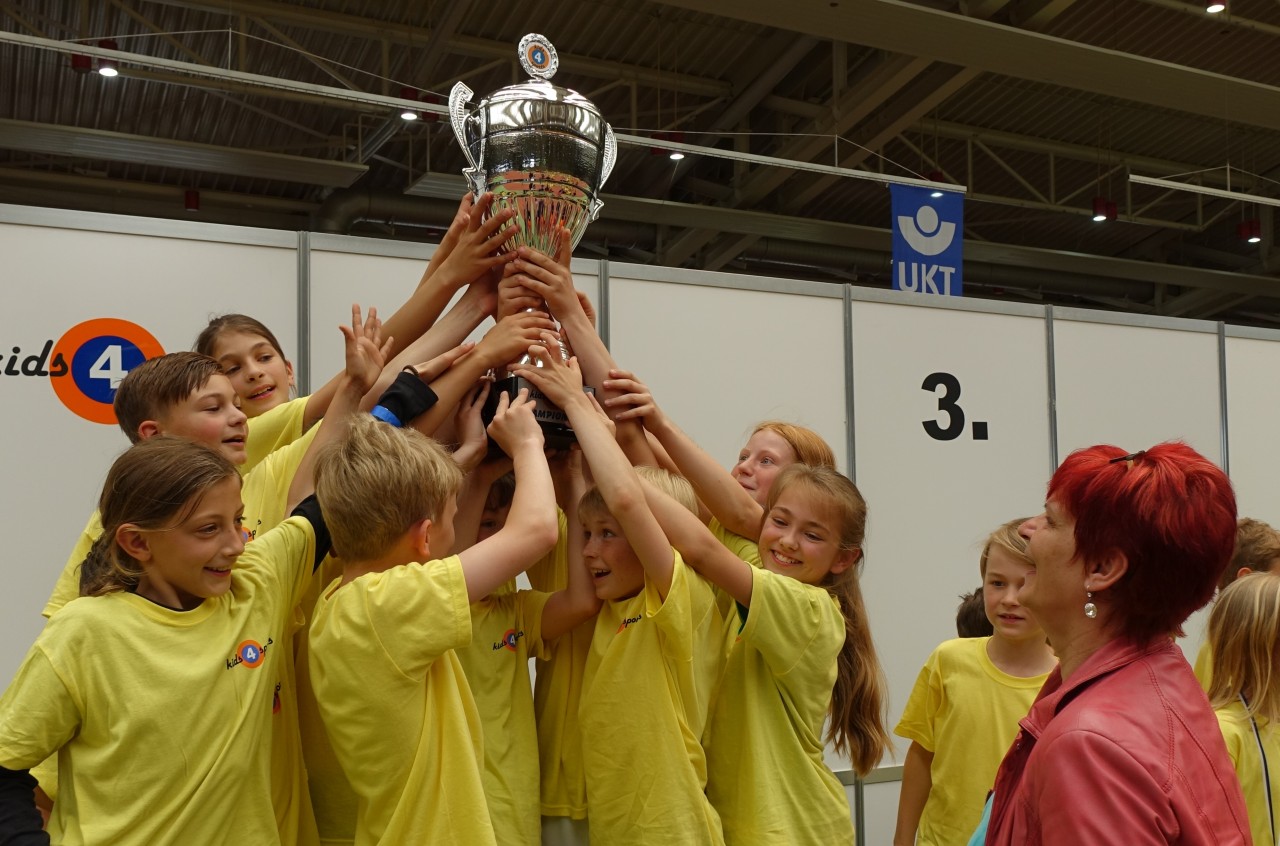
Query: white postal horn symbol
[{"x": 926, "y": 221}]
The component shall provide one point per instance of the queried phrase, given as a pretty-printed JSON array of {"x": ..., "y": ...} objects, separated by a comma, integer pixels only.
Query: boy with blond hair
[
  {"x": 395, "y": 702},
  {"x": 963, "y": 712}
]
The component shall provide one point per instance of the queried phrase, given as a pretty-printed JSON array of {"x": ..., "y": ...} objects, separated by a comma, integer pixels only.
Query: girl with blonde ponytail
[{"x": 801, "y": 652}]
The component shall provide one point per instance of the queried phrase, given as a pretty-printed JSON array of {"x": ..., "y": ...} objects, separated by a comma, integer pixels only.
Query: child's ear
[
  {"x": 288, "y": 368},
  {"x": 149, "y": 429},
  {"x": 134, "y": 542},
  {"x": 845, "y": 559},
  {"x": 420, "y": 535}
]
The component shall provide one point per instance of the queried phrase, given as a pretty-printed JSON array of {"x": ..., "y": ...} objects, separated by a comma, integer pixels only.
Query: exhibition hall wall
[{"x": 950, "y": 414}]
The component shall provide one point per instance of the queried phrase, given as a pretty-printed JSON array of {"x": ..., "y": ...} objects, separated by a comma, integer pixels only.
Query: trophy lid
[{"x": 539, "y": 59}]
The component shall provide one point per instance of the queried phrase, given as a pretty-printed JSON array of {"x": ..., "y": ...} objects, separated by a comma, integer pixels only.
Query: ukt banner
[{"x": 927, "y": 240}]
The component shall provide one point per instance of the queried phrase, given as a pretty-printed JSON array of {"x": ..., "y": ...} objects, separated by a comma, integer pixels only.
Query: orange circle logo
[{"x": 95, "y": 356}]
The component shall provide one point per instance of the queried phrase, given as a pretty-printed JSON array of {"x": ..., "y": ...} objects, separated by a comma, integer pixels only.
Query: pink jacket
[{"x": 1128, "y": 752}]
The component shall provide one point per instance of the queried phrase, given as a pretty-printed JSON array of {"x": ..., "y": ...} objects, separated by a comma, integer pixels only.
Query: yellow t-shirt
[
  {"x": 766, "y": 773},
  {"x": 644, "y": 706},
  {"x": 557, "y": 691},
  {"x": 160, "y": 717},
  {"x": 745, "y": 548},
  {"x": 964, "y": 710},
  {"x": 506, "y": 630},
  {"x": 397, "y": 706},
  {"x": 1242, "y": 746},
  {"x": 265, "y": 493},
  {"x": 1204, "y": 665},
  {"x": 268, "y": 432}
]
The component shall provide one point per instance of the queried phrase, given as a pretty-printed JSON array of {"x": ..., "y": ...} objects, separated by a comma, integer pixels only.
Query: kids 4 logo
[{"x": 86, "y": 364}]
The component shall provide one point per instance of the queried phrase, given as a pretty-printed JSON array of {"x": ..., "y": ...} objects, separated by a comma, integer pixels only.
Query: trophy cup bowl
[{"x": 543, "y": 152}]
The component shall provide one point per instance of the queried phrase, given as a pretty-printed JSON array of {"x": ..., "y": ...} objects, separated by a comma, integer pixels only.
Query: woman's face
[{"x": 1054, "y": 589}]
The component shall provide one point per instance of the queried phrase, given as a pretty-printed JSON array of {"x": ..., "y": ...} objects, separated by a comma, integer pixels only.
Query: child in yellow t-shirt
[
  {"x": 654, "y": 653},
  {"x": 1244, "y": 639},
  {"x": 800, "y": 654},
  {"x": 1257, "y": 551},
  {"x": 155, "y": 687},
  {"x": 964, "y": 709},
  {"x": 396, "y": 705},
  {"x": 509, "y": 627}
]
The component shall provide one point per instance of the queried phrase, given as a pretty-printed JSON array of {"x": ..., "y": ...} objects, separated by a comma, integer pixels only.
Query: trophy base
[{"x": 556, "y": 430}]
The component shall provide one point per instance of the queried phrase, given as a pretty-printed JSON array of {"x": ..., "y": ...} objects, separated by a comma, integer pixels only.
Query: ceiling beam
[
  {"x": 913, "y": 30},
  {"x": 82, "y": 143},
  {"x": 414, "y": 37}
]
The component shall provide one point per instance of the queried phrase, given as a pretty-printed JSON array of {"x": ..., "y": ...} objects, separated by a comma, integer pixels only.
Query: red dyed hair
[{"x": 1170, "y": 511}]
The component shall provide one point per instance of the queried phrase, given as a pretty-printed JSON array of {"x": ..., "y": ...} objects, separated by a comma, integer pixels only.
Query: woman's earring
[{"x": 1090, "y": 610}]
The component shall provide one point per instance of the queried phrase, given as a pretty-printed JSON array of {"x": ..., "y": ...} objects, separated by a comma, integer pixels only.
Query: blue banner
[{"x": 928, "y": 241}]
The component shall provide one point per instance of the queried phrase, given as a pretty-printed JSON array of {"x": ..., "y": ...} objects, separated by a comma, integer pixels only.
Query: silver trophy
[{"x": 544, "y": 152}]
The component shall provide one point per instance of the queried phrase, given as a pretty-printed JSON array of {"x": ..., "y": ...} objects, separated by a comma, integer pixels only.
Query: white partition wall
[
  {"x": 112, "y": 289},
  {"x": 1134, "y": 382},
  {"x": 1253, "y": 421},
  {"x": 721, "y": 353},
  {"x": 952, "y": 439}
]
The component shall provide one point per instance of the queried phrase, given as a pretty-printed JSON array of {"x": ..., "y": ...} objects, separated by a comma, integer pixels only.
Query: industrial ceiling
[{"x": 1036, "y": 106}]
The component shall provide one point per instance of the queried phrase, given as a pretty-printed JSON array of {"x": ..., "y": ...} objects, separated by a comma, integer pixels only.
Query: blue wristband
[{"x": 384, "y": 414}]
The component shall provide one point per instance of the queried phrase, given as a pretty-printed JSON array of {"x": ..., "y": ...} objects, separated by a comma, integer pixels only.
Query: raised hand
[
  {"x": 366, "y": 352},
  {"x": 432, "y": 369},
  {"x": 512, "y": 335},
  {"x": 547, "y": 277},
  {"x": 513, "y": 426},
  {"x": 560, "y": 381},
  {"x": 634, "y": 401},
  {"x": 477, "y": 249},
  {"x": 472, "y": 442}
]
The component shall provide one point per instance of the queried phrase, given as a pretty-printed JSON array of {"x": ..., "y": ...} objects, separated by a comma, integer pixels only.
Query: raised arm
[
  {"x": 365, "y": 355},
  {"x": 578, "y": 601},
  {"x": 468, "y": 252},
  {"x": 507, "y": 340},
  {"x": 531, "y": 529},
  {"x": 727, "y": 501},
  {"x": 552, "y": 280},
  {"x": 618, "y": 483}
]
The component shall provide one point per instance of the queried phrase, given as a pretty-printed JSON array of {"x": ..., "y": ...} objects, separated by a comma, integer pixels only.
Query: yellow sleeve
[
  {"x": 529, "y": 607},
  {"x": 68, "y": 586},
  {"x": 745, "y": 548},
  {"x": 550, "y": 573},
  {"x": 1204, "y": 665},
  {"x": 38, "y": 713},
  {"x": 283, "y": 558},
  {"x": 268, "y": 432},
  {"x": 792, "y": 624},
  {"x": 923, "y": 705},
  {"x": 398, "y": 605}
]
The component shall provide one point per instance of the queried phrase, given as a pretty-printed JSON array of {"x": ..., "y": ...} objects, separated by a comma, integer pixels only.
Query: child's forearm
[
  {"x": 699, "y": 548},
  {"x": 447, "y": 333},
  {"x": 917, "y": 782},
  {"x": 346, "y": 401},
  {"x": 578, "y": 601},
  {"x": 722, "y": 495}
]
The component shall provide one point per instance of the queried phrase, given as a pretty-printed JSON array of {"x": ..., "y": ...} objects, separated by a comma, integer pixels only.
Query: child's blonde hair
[
  {"x": 592, "y": 503},
  {"x": 376, "y": 481},
  {"x": 1257, "y": 545},
  {"x": 154, "y": 485},
  {"x": 1244, "y": 639},
  {"x": 859, "y": 699},
  {"x": 807, "y": 444},
  {"x": 1007, "y": 538}
]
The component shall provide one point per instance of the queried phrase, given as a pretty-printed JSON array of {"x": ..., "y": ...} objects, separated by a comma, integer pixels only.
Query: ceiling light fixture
[
  {"x": 1250, "y": 230},
  {"x": 936, "y": 176},
  {"x": 1213, "y": 7},
  {"x": 407, "y": 93},
  {"x": 107, "y": 67},
  {"x": 1099, "y": 209}
]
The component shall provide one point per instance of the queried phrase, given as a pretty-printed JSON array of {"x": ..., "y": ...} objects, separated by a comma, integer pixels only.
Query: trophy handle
[
  {"x": 610, "y": 154},
  {"x": 459, "y": 96}
]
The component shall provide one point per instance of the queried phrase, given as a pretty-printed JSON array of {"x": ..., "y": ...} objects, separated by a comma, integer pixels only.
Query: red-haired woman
[{"x": 1121, "y": 746}]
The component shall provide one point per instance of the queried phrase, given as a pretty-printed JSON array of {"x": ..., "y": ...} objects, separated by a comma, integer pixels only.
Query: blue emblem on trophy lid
[{"x": 538, "y": 57}]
